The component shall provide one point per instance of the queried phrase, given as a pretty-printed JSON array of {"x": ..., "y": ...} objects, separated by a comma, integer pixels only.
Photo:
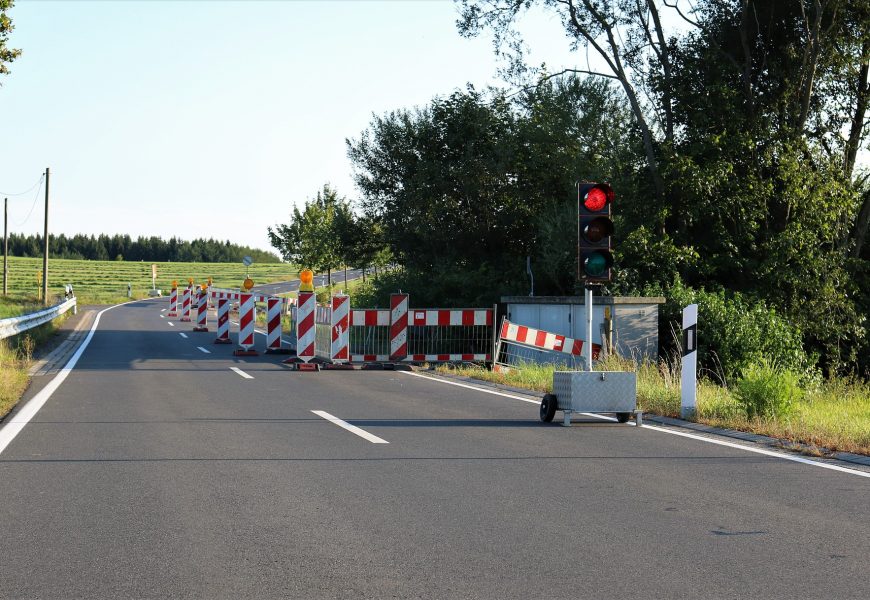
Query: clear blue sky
[{"x": 209, "y": 119}]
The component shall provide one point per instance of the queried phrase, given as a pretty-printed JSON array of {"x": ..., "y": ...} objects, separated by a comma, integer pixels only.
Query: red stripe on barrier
[
  {"x": 468, "y": 318},
  {"x": 371, "y": 318},
  {"x": 578, "y": 347},
  {"x": 443, "y": 318},
  {"x": 306, "y": 323},
  {"x": 522, "y": 332},
  {"x": 489, "y": 318},
  {"x": 541, "y": 338},
  {"x": 504, "y": 329}
]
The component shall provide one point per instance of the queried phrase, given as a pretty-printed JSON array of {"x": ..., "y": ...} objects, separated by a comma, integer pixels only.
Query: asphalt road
[
  {"x": 156, "y": 471},
  {"x": 319, "y": 280}
]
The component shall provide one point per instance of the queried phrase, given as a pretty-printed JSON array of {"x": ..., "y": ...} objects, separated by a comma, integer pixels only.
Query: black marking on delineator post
[{"x": 690, "y": 339}]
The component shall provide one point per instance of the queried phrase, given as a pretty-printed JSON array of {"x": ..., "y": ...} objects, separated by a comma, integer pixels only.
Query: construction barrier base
[
  {"x": 220, "y": 341},
  {"x": 200, "y": 328},
  {"x": 172, "y": 314},
  {"x": 243, "y": 352},
  {"x": 306, "y": 366},
  {"x": 340, "y": 367},
  {"x": 280, "y": 351},
  {"x": 184, "y": 319}
]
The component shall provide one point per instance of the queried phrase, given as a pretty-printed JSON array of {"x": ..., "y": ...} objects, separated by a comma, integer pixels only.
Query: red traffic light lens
[{"x": 597, "y": 197}]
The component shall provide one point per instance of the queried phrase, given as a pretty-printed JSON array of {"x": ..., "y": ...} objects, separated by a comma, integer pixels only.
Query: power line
[
  {"x": 41, "y": 177},
  {"x": 32, "y": 206}
]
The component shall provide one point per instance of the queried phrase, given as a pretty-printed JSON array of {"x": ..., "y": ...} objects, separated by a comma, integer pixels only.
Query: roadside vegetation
[{"x": 831, "y": 414}]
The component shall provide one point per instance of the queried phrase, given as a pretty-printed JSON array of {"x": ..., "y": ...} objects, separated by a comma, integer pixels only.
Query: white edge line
[
  {"x": 21, "y": 418},
  {"x": 171, "y": 324},
  {"x": 242, "y": 373},
  {"x": 351, "y": 428},
  {"x": 798, "y": 459},
  {"x": 201, "y": 349}
]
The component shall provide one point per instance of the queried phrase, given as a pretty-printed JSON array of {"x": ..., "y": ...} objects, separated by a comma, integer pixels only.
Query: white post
[
  {"x": 588, "y": 341},
  {"x": 688, "y": 397}
]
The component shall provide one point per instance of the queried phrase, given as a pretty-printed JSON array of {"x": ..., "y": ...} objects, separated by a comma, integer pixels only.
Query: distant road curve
[{"x": 283, "y": 287}]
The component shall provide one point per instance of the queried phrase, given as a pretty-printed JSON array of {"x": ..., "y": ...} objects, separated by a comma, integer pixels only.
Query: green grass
[
  {"x": 105, "y": 282},
  {"x": 835, "y": 415}
]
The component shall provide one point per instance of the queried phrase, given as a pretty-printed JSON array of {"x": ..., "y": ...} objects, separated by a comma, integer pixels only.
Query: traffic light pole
[{"x": 588, "y": 303}]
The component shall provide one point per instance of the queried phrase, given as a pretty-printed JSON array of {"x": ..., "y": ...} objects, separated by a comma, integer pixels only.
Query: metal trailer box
[{"x": 595, "y": 391}]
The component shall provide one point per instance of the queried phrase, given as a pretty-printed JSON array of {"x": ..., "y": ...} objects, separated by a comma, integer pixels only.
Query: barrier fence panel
[
  {"x": 445, "y": 335},
  {"x": 518, "y": 344},
  {"x": 369, "y": 335},
  {"x": 323, "y": 332}
]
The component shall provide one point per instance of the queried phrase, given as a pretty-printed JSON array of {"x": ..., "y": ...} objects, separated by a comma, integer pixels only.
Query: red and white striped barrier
[
  {"x": 247, "y": 316},
  {"x": 516, "y": 341},
  {"x": 446, "y": 317},
  {"x": 201, "y": 311},
  {"x": 340, "y": 351},
  {"x": 173, "y": 302},
  {"x": 185, "y": 305},
  {"x": 305, "y": 329},
  {"x": 398, "y": 326},
  {"x": 273, "y": 325},
  {"x": 223, "y": 322}
]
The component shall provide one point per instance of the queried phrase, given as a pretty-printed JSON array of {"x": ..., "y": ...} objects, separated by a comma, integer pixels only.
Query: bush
[
  {"x": 765, "y": 390},
  {"x": 735, "y": 331}
]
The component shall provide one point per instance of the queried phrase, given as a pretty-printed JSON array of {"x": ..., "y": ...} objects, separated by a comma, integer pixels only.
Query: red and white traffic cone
[
  {"x": 202, "y": 312},
  {"x": 247, "y": 316},
  {"x": 223, "y": 320},
  {"x": 173, "y": 302}
]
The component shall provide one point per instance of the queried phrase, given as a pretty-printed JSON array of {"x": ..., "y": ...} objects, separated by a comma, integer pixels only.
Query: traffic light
[{"x": 594, "y": 228}]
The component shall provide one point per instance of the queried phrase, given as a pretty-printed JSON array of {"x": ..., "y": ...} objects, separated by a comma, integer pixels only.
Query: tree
[
  {"x": 7, "y": 54},
  {"x": 310, "y": 238}
]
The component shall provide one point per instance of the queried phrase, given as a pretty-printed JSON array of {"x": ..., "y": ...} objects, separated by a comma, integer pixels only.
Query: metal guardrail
[{"x": 15, "y": 325}]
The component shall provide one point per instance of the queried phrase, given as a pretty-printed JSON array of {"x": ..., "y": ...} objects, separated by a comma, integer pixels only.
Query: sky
[{"x": 212, "y": 118}]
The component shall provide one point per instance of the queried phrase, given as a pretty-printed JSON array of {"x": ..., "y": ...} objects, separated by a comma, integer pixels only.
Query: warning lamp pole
[{"x": 594, "y": 259}]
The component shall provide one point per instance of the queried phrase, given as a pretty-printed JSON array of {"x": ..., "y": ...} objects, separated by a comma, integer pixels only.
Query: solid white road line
[
  {"x": 21, "y": 418},
  {"x": 184, "y": 335},
  {"x": 203, "y": 350},
  {"x": 240, "y": 372},
  {"x": 791, "y": 457},
  {"x": 351, "y": 428}
]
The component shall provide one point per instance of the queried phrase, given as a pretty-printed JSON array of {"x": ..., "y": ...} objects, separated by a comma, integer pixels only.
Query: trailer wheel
[
  {"x": 548, "y": 408},
  {"x": 623, "y": 417}
]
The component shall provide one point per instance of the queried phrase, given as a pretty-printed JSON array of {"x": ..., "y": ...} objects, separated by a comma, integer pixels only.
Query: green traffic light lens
[{"x": 596, "y": 264}]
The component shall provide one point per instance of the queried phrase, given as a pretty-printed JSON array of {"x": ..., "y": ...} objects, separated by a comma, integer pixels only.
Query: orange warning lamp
[
  {"x": 190, "y": 280},
  {"x": 210, "y": 281},
  {"x": 306, "y": 281},
  {"x": 203, "y": 286},
  {"x": 248, "y": 283},
  {"x": 175, "y": 283}
]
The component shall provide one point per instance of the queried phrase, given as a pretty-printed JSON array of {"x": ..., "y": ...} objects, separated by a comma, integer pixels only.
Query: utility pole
[
  {"x": 5, "y": 245},
  {"x": 45, "y": 254}
]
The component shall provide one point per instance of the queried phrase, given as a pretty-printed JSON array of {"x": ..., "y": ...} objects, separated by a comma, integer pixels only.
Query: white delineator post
[
  {"x": 688, "y": 396},
  {"x": 223, "y": 320},
  {"x": 305, "y": 332},
  {"x": 340, "y": 328},
  {"x": 588, "y": 342},
  {"x": 173, "y": 302},
  {"x": 247, "y": 316}
]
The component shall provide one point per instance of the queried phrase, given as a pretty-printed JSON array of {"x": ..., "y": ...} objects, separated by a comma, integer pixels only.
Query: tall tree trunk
[{"x": 862, "y": 92}]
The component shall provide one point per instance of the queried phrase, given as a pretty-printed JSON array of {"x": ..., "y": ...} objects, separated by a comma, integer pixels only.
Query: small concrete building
[{"x": 634, "y": 321}]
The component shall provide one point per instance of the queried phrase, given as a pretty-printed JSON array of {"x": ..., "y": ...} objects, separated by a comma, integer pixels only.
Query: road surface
[{"x": 156, "y": 469}]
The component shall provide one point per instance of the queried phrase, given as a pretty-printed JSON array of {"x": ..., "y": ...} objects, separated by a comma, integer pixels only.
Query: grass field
[{"x": 105, "y": 282}]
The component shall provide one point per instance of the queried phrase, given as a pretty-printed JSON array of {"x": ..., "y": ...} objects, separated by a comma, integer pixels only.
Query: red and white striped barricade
[
  {"x": 519, "y": 344},
  {"x": 173, "y": 302},
  {"x": 398, "y": 327},
  {"x": 433, "y": 335},
  {"x": 201, "y": 311},
  {"x": 450, "y": 335},
  {"x": 223, "y": 322},
  {"x": 305, "y": 329},
  {"x": 274, "y": 314},
  {"x": 340, "y": 343},
  {"x": 247, "y": 316},
  {"x": 185, "y": 305}
]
